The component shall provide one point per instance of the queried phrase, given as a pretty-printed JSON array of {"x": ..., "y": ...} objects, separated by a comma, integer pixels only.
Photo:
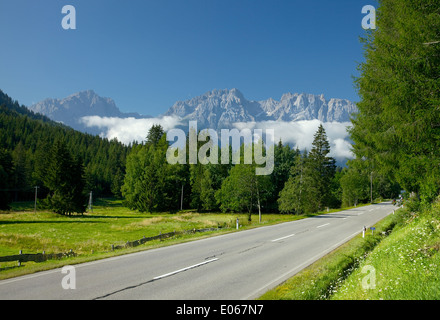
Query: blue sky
[{"x": 148, "y": 54}]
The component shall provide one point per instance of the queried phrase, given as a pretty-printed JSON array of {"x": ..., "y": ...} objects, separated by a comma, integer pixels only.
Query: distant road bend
[{"x": 236, "y": 266}]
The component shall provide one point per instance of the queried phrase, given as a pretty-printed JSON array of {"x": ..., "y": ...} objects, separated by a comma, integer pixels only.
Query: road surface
[{"x": 236, "y": 266}]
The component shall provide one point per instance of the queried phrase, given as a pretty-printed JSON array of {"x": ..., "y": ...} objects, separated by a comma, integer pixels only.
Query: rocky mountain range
[
  {"x": 295, "y": 116},
  {"x": 72, "y": 109},
  {"x": 215, "y": 109},
  {"x": 222, "y": 108}
]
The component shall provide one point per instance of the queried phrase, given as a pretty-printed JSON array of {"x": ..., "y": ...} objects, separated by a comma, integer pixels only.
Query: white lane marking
[
  {"x": 290, "y": 235},
  {"x": 184, "y": 269},
  {"x": 291, "y": 272},
  {"x": 26, "y": 277},
  {"x": 361, "y": 213},
  {"x": 370, "y": 210},
  {"x": 323, "y": 225}
]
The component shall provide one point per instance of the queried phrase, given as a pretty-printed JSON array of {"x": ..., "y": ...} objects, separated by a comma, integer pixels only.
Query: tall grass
[{"x": 406, "y": 264}]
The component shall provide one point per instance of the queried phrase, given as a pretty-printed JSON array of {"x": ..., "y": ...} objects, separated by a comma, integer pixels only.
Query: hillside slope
[
  {"x": 405, "y": 265},
  {"x": 25, "y": 136}
]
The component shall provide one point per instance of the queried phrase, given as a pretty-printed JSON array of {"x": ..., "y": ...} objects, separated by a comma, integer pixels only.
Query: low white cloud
[
  {"x": 130, "y": 129},
  {"x": 300, "y": 134},
  {"x": 342, "y": 149}
]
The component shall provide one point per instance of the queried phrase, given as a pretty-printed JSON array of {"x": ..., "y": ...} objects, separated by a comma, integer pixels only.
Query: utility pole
[
  {"x": 181, "y": 199},
  {"x": 258, "y": 198},
  {"x": 36, "y": 196},
  {"x": 90, "y": 202}
]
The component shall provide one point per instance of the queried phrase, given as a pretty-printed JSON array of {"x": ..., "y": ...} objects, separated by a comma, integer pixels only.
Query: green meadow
[{"x": 92, "y": 234}]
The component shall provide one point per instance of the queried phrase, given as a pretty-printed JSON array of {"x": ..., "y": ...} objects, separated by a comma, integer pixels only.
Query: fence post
[{"x": 20, "y": 253}]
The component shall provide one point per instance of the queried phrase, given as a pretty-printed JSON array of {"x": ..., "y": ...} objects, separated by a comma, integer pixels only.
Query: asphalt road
[{"x": 237, "y": 266}]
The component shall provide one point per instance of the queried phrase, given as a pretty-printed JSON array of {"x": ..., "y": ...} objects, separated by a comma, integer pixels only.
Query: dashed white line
[
  {"x": 323, "y": 225},
  {"x": 184, "y": 269},
  {"x": 259, "y": 291},
  {"x": 290, "y": 235}
]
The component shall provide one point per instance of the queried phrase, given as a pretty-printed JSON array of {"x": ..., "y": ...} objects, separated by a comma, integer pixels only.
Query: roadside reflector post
[
  {"x": 363, "y": 231},
  {"x": 237, "y": 223},
  {"x": 20, "y": 253}
]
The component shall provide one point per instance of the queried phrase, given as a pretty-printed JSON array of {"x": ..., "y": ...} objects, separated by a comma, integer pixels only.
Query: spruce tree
[
  {"x": 154, "y": 134},
  {"x": 309, "y": 188},
  {"x": 297, "y": 191},
  {"x": 65, "y": 181},
  {"x": 6, "y": 173},
  {"x": 322, "y": 168},
  {"x": 151, "y": 184},
  {"x": 284, "y": 159}
]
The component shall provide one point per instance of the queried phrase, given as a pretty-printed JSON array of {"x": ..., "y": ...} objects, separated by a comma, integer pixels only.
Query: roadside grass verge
[
  {"x": 324, "y": 277},
  {"x": 406, "y": 264},
  {"x": 400, "y": 262}
]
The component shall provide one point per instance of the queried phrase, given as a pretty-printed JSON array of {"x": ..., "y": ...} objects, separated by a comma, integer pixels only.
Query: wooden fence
[
  {"x": 36, "y": 257},
  {"x": 40, "y": 257},
  {"x": 161, "y": 236}
]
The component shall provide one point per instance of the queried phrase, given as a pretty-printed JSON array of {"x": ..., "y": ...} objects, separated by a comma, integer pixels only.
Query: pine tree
[
  {"x": 297, "y": 191},
  {"x": 322, "y": 168},
  {"x": 207, "y": 188},
  {"x": 65, "y": 180},
  {"x": 151, "y": 184},
  {"x": 132, "y": 188},
  {"x": 37, "y": 134},
  {"x": 6, "y": 173},
  {"x": 196, "y": 176},
  {"x": 22, "y": 170},
  {"x": 154, "y": 134},
  {"x": 284, "y": 159},
  {"x": 309, "y": 188}
]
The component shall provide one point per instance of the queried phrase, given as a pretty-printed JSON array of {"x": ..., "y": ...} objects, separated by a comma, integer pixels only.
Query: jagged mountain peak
[
  {"x": 72, "y": 109},
  {"x": 221, "y": 108},
  {"x": 216, "y": 109}
]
